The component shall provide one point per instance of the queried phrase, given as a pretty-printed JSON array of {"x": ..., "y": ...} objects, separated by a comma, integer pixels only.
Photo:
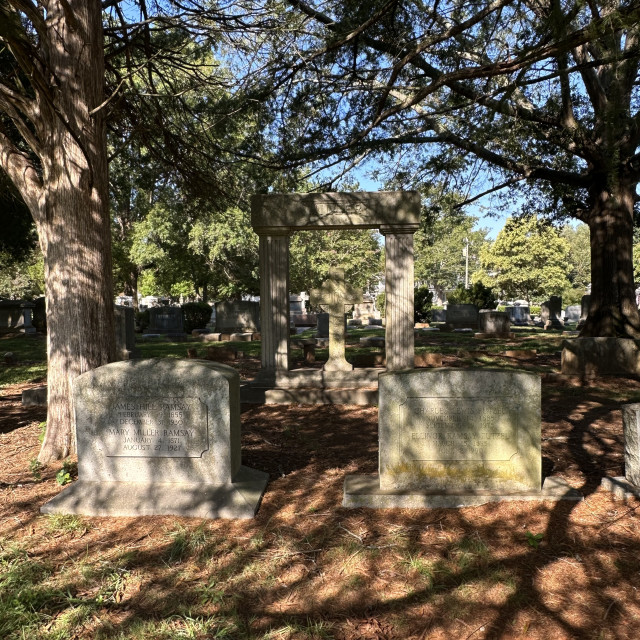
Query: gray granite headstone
[
  {"x": 462, "y": 316},
  {"x": 519, "y": 314},
  {"x": 160, "y": 437},
  {"x": 323, "y": 325},
  {"x": 237, "y": 315},
  {"x": 550, "y": 312},
  {"x": 629, "y": 484},
  {"x": 451, "y": 437},
  {"x": 494, "y": 323},
  {"x": 168, "y": 320},
  {"x": 125, "y": 332},
  {"x": 584, "y": 310},
  {"x": 572, "y": 313}
]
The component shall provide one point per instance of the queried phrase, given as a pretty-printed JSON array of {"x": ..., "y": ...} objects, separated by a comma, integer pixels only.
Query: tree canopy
[
  {"x": 537, "y": 97},
  {"x": 526, "y": 260}
]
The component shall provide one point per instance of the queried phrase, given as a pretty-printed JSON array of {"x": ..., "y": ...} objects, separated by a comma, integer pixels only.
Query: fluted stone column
[
  {"x": 399, "y": 298},
  {"x": 274, "y": 303}
]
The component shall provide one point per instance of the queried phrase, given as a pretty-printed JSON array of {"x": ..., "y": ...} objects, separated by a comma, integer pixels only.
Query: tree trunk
[
  {"x": 612, "y": 310},
  {"x": 73, "y": 222}
]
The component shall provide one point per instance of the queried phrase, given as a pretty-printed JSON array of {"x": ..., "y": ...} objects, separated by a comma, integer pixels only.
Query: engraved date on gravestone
[
  {"x": 157, "y": 428},
  {"x": 458, "y": 429}
]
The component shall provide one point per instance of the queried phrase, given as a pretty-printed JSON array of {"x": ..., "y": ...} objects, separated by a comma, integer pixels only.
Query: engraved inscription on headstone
[
  {"x": 456, "y": 429},
  {"x": 157, "y": 427}
]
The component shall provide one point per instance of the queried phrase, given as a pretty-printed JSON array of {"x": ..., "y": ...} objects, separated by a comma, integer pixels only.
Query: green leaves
[{"x": 527, "y": 259}]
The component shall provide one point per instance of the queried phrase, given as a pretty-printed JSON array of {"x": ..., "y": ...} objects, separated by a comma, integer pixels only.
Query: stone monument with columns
[{"x": 275, "y": 217}]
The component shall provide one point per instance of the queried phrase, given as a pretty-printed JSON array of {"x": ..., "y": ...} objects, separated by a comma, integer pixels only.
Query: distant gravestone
[
  {"x": 160, "y": 437},
  {"x": 323, "y": 325},
  {"x": 462, "y": 316},
  {"x": 572, "y": 313},
  {"x": 493, "y": 324},
  {"x": 237, "y": 315},
  {"x": 519, "y": 315},
  {"x": 550, "y": 312},
  {"x": 169, "y": 320},
  {"x": 334, "y": 294},
  {"x": 438, "y": 315},
  {"x": 451, "y": 437},
  {"x": 16, "y": 315},
  {"x": 125, "y": 332},
  {"x": 584, "y": 310},
  {"x": 365, "y": 310}
]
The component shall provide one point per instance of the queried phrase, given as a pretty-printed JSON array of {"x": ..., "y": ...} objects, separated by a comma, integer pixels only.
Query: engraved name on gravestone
[
  {"x": 455, "y": 429},
  {"x": 157, "y": 427}
]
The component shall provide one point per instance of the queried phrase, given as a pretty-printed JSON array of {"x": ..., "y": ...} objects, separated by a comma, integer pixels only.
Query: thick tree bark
[
  {"x": 72, "y": 218},
  {"x": 612, "y": 311}
]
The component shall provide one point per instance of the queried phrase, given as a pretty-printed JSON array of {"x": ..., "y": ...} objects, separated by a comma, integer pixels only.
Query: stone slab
[
  {"x": 631, "y": 431},
  {"x": 316, "y": 378},
  {"x": 365, "y": 397},
  {"x": 238, "y": 499},
  {"x": 365, "y": 491},
  {"x": 364, "y": 210},
  {"x": 460, "y": 430},
  {"x": 35, "y": 397},
  {"x": 241, "y": 337},
  {"x": 621, "y": 487},
  {"x": 600, "y": 356}
]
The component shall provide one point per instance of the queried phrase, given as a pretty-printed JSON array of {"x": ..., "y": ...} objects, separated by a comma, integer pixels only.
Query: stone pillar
[
  {"x": 274, "y": 303},
  {"x": 399, "y": 298}
]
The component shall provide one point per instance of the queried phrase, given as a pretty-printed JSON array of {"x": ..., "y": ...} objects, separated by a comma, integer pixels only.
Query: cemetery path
[{"x": 306, "y": 568}]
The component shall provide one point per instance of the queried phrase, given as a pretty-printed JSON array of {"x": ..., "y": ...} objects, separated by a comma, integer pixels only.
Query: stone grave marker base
[
  {"x": 238, "y": 499},
  {"x": 365, "y": 491},
  {"x": 621, "y": 487}
]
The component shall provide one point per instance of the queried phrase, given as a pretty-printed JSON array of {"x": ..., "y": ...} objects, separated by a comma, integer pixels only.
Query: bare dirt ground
[{"x": 307, "y": 568}]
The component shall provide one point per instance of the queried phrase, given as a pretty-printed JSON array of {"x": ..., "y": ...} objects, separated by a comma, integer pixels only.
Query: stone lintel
[
  {"x": 365, "y": 491},
  {"x": 394, "y": 211}
]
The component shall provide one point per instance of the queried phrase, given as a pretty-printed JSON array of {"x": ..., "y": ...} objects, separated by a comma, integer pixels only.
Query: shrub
[
  {"x": 422, "y": 301},
  {"x": 196, "y": 315},
  {"x": 480, "y": 295}
]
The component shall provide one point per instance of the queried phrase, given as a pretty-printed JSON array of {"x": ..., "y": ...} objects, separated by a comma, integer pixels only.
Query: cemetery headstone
[
  {"x": 158, "y": 437},
  {"x": 629, "y": 484},
  {"x": 462, "y": 316},
  {"x": 166, "y": 319},
  {"x": 493, "y": 324},
  {"x": 584, "y": 310},
  {"x": 589, "y": 357},
  {"x": 237, "y": 316},
  {"x": 451, "y": 437},
  {"x": 519, "y": 314},
  {"x": 572, "y": 313},
  {"x": 16, "y": 315},
  {"x": 125, "y": 332},
  {"x": 334, "y": 294},
  {"x": 550, "y": 313}
]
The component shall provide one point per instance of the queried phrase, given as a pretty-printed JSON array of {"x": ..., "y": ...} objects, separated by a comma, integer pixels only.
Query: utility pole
[{"x": 465, "y": 253}]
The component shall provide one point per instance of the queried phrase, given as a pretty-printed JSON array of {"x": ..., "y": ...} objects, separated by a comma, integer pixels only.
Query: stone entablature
[{"x": 280, "y": 212}]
